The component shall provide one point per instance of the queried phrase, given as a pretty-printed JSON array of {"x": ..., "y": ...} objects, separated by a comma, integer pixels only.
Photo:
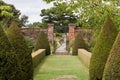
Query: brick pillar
[
  {"x": 71, "y": 31},
  {"x": 51, "y": 32}
]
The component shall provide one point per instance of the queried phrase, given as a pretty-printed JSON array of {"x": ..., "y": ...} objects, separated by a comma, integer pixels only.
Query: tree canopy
[
  {"x": 92, "y": 13},
  {"x": 60, "y": 15},
  {"x": 8, "y": 12}
]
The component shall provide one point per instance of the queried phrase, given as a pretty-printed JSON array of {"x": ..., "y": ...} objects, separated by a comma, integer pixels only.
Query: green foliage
[
  {"x": 112, "y": 68},
  {"x": 38, "y": 25},
  {"x": 23, "y": 52},
  {"x": 29, "y": 43},
  {"x": 9, "y": 62},
  {"x": 23, "y": 20},
  {"x": 60, "y": 15},
  {"x": 79, "y": 43},
  {"x": 101, "y": 50},
  {"x": 58, "y": 34},
  {"x": 42, "y": 43},
  {"x": 7, "y": 13}
]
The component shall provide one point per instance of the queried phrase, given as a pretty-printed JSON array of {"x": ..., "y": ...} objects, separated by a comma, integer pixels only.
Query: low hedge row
[
  {"x": 84, "y": 56},
  {"x": 37, "y": 56}
]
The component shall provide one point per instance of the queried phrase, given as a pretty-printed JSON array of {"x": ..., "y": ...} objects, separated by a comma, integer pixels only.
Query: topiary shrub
[
  {"x": 22, "y": 51},
  {"x": 42, "y": 43},
  {"x": 112, "y": 68},
  {"x": 79, "y": 43},
  {"x": 101, "y": 50},
  {"x": 9, "y": 65}
]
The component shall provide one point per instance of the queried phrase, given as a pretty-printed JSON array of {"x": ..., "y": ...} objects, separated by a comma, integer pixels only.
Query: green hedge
[
  {"x": 37, "y": 56},
  {"x": 102, "y": 49},
  {"x": 42, "y": 43},
  {"x": 112, "y": 68},
  {"x": 22, "y": 51},
  {"x": 79, "y": 42},
  {"x": 9, "y": 62}
]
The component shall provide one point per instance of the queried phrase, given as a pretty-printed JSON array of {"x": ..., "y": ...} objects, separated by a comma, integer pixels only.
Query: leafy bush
[
  {"x": 79, "y": 43},
  {"x": 101, "y": 50},
  {"x": 42, "y": 43},
  {"x": 29, "y": 43},
  {"x": 112, "y": 68},
  {"x": 9, "y": 65},
  {"x": 23, "y": 52}
]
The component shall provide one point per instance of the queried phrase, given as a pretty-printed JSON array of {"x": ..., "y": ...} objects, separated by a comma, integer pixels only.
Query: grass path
[{"x": 61, "y": 67}]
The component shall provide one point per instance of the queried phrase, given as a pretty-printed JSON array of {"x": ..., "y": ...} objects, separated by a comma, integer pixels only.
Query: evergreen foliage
[
  {"x": 9, "y": 65},
  {"x": 22, "y": 51},
  {"x": 101, "y": 50},
  {"x": 79, "y": 43},
  {"x": 42, "y": 43},
  {"x": 112, "y": 68}
]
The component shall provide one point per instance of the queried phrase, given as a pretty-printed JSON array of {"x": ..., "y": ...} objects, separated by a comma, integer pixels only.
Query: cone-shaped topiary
[
  {"x": 24, "y": 53},
  {"x": 42, "y": 43},
  {"x": 9, "y": 65},
  {"x": 79, "y": 43},
  {"x": 102, "y": 49},
  {"x": 112, "y": 68}
]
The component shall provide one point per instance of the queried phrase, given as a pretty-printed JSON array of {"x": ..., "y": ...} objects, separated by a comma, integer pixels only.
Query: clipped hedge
[
  {"x": 22, "y": 51},
  {"x": 79, "y": 43},
  {"x": 9, "y": 62},
  {"x": 42, "y": 43},
  {"x": 84, "y": 56},
  {"x": 37, "y": 57},
  {"x": 102, "y": 49},
  {"x": 112, "y": 68}
]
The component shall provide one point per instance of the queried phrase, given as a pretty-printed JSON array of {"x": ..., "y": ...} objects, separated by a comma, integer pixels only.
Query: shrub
[
  {"x": 101, "y": 50},
  {"x": 79, "y": 43},
  {"x": 9, "y": 65},
  {"x": 29, "y": 43},
  {"x": 42, "y": 43},
  {"x": 23, "y": 52},
  {"x": 112, "y": 68}
]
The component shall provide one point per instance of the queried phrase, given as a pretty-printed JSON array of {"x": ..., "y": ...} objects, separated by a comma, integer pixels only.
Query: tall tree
[
  {"x": 60, "y": 15},
  {"x": 23, "y": 20}
]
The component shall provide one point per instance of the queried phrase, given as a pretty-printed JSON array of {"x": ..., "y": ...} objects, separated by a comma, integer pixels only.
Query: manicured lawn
[{"x": 61, "y": 67}]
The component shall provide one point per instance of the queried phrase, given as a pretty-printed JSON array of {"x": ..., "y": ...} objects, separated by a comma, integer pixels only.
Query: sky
[{"x": 31, "y": 8}]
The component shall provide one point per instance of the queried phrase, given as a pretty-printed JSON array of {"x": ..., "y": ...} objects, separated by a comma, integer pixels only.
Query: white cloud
[{"x": 31, "y": 8}]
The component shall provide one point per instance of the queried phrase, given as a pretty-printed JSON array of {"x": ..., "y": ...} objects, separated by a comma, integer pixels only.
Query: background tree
[
  {"x": 38, "y": 25},
  {"x": 23, "y": 20},
  {"x": 112, "y": 68},
  {"x": 23, "y": 52},
  {"x": 42, "y": 43},
  {"x": 60, "y": 15},
  {"x": 7, "y": 13},
  {"x": 102, "y": 49}
]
